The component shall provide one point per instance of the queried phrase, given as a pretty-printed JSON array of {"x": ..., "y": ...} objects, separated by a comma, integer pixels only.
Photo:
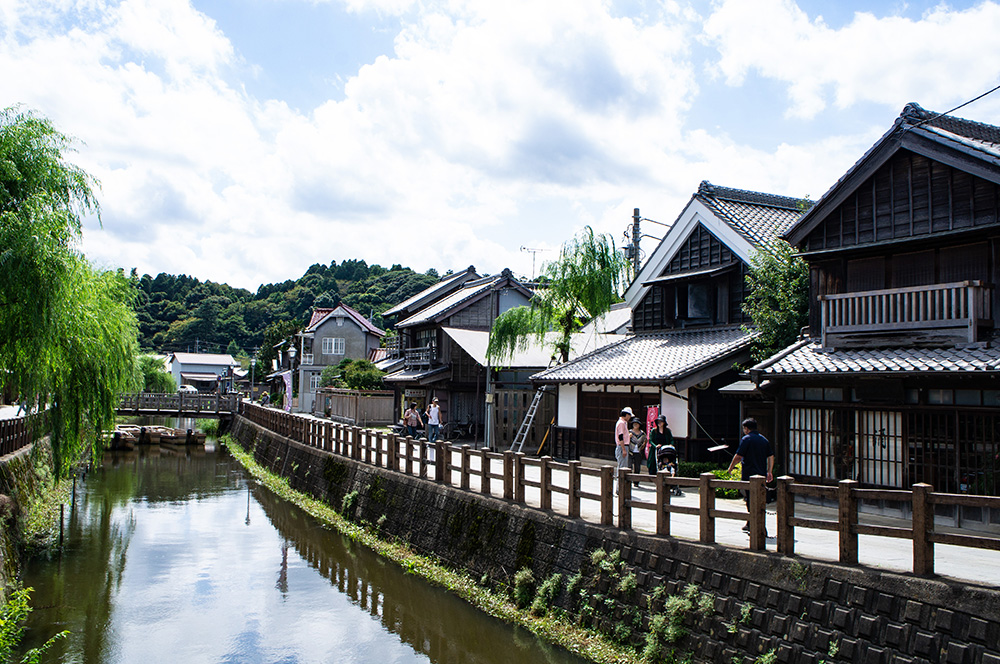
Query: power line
[{"x": 935, "y": 117}]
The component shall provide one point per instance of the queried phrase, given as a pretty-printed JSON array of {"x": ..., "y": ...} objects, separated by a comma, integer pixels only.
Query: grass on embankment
[{"x": 584, "y": 642}]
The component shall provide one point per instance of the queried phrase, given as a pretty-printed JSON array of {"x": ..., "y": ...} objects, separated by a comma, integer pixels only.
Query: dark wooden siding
[
  {"x": 908, "y": 197},
  {"x": 700, "y": 250}
]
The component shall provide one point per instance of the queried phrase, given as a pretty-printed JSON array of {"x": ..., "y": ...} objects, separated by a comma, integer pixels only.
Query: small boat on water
[{"x": 126, "y": 436}]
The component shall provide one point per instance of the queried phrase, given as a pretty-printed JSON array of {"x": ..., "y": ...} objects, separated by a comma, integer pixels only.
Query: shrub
[
  {"x": 546, "y": 595},
  {"x": 524, "y": 587}
]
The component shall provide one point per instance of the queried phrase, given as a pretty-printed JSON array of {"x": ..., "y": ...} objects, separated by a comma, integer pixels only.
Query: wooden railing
[
  {"x": 437, "y": 461},
  {"x": 420, "y": 357},
  {"x": 19, "y": 432},
  {"x": 961, "y": 306},
  {"x": 148, "y": 403}
]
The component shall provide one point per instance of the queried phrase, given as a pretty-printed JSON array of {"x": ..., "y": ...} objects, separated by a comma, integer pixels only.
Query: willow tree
[
  {"x": 68, "y": 335},
  {"x": 588, "y": 277}
]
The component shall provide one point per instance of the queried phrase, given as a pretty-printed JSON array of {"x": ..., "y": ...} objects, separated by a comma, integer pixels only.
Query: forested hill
[{"x": 181, "y": 313}]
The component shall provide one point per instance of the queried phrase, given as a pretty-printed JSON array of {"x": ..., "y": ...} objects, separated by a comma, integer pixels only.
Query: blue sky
[{"x": 243, "y": 140}]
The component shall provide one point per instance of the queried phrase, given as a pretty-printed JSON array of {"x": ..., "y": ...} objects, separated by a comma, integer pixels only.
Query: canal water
[{"x": 176, "y": 555}]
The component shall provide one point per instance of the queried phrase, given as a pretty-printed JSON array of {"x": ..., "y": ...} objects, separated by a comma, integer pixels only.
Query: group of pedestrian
[
  {"x": 633, "y": 447},
  {"x": 414, "y": 420}
]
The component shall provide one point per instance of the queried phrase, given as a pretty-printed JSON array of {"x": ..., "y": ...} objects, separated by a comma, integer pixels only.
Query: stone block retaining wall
[{"x": 797, "y": 607}]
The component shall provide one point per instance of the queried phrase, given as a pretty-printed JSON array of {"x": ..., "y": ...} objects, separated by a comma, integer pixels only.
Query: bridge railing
[
  {"x": 511, "y": 475},
  {"x": 179, "y": 403}
]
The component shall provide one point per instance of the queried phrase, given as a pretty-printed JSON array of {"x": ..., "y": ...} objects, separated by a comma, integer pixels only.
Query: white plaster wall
[
  {"x": 675, "y": 410},
  {"x": 567, "y": 406}
]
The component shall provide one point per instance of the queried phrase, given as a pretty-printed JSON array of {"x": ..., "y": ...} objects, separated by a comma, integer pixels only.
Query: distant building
[
  {"x": 332, "y": 335},
  {"x": 205, "y": 371}
]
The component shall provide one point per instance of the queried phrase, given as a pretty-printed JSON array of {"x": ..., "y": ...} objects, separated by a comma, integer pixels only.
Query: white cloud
[{"x": 887, "y": 60}]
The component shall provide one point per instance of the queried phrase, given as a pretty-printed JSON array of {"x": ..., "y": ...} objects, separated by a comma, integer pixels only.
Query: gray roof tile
[
  {"x": 760, "y": 218},
  {"x": 650, "y": 358},
  {"x": 807, "y": 358}
]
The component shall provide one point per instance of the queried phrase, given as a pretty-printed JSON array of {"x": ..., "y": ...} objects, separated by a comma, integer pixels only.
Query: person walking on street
[
  {"x": 757, "y": 456},
  {"x": 637, "y": 446},
  {"x": 433, "y": 420},
  {"x": 622, "y": 440},
  {"x": 412, "y": 420}
]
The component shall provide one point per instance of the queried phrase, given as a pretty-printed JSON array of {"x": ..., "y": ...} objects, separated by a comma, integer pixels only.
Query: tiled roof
[
  {"x": 223, "y": 359},
  {"x": 434, "y": 290},
  {"x": 470, "y": 290},
  {"x": 758, "y": 217},
  {"x": 808, "y": 358},
  {"x": 984, "y": 136},
  {"x": 319, "y": 315},
  {"x": 651, "y": 358}
]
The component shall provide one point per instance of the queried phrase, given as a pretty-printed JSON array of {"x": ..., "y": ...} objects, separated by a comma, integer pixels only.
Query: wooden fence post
[
  {"x": 466, "y": 466},
  {"x": 923, "y": 525},
  {"x": 847, "y": 521},
  {"x": 378, "y": 447},
  {"x": 624, "y": 500},
  {"x": 662, "y": 502},
  {"x": 519, "y": 478},
  {"x": 393, "y": 441},
  {"x": 545, "y": 482},
  {"x": 706, "y": 505},
  {"x": 484, "y": 469},
  {"x": 786, "y": 510},
  {"x": 607, "y": 495},
  {"x": 422, "y": 458},
  {"x": 408, "y": 455},
  {"x": 366, "y": 443},
  {"x": 758, "y": 501},
  {"x": 508, "y": 475},
  {"x": 442, "y": 465},
  {"x": 574, "y": 490}
]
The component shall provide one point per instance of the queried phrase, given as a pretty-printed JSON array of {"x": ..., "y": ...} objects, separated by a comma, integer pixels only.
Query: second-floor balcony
[
  {"x": 417, "y": 358},
  {"x": 938, "y": 314}
]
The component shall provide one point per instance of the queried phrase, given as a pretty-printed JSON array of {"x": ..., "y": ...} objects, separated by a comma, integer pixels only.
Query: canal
[{"x": 176, "y": 555}]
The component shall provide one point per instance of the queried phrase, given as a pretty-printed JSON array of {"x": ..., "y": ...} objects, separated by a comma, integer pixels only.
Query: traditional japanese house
[
  {"x": 434, "y": 361},
  {"x": 688, "y": 329},
  {"x": 896, "y": 382}
]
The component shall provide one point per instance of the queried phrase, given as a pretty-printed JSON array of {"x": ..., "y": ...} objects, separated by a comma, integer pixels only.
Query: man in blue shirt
[{"x": 756, "y": 455}]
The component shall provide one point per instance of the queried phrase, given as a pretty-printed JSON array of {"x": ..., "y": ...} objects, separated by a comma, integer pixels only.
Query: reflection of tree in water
[{"x": 429, "y": 619}]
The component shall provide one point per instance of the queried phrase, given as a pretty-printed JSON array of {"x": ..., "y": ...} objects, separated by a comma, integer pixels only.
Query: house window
[
  {"x": 314, "y": 382},
  {"x": 333, "y": 345},
  {"x": 340, "y": 321}
]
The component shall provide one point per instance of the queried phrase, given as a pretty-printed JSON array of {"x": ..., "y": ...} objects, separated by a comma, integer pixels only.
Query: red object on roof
[{"x": 322, "y": 313}]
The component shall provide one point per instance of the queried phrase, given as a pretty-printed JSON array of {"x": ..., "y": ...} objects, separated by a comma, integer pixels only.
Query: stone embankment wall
[
  {"x": 806, "y": 612},
  {"x": 18, "y": 483}
]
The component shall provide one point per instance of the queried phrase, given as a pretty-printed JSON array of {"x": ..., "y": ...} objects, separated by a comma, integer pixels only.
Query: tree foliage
[
  {"x": 155, "y": 378},
  {"x": 359, "y": 374},
  {"x": 778, "y": 303},
  {"x": 587, "y": 278},
  {"x": 68, "y": 333}
]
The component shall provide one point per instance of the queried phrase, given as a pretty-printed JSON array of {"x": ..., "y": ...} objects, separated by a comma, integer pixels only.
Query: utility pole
[{"x": 636, "y": 236}]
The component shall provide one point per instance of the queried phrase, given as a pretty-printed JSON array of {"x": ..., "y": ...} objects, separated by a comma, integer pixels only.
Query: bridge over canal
[{"x": 180, "y": 405}]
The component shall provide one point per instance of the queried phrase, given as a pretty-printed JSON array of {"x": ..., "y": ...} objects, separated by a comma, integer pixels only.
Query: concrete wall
[
  {"x": 797, "y": 607},
  {"x": 18, "y": 484}
]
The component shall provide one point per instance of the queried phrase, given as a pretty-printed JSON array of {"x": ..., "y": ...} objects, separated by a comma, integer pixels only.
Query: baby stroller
[{"x": 666, "y": 459}]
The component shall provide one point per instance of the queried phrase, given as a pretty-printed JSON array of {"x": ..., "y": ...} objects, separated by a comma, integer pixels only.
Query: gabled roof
[
  {"x": 446, "y": 285},
  {"x": 320, "y": 315},
  {"x": 744, "y": 221},
  {"x": 964, "y": 144},
  {"x": 760, "y": 218},
  {"x": 220, "y": 359},
  {"x": 615, "y": 321},
  {"x": 664, "y": 358},
  {"x": 807, "y": 358},
  {"x": 470, "y": 292}
]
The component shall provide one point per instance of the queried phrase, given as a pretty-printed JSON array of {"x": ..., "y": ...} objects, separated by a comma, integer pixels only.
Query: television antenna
[{"x": 533, "y": 251}]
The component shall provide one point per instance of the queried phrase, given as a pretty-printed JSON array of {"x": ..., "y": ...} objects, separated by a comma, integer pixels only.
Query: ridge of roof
[
  {"x": 914, "y": 115},
  {"x": 707, "y": 189},
  {"x": 440, "y": 284},
  {"x": 467, "y": 291},
  {"x": 321, "y": 314}
]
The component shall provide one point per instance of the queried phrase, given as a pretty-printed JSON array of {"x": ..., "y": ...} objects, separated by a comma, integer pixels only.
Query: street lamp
[
  {"x": 292, "y": 351},
  {"x": 253, "y": 366}
]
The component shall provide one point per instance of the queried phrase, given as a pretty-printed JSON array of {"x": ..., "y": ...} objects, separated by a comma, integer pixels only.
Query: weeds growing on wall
[{"x": 209, "y": 426}]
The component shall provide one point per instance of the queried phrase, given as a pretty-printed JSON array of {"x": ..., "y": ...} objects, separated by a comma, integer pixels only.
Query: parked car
[{"x": 187, "y": 389}]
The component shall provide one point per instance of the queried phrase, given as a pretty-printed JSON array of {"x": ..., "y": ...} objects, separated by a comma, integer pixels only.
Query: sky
[{"x": 244, "y": 140}]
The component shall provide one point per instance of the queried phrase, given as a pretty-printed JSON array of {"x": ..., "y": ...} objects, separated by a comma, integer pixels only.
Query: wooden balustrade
[
  {"x": 963, "y": 306},
  {"x": 411, "y": 457},
  {"x": 20, "y": 432}
]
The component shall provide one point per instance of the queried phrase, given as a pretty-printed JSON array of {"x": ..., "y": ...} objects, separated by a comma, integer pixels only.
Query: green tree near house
[
  {"x": 359, "y": 374},
  {"x": 68, "y": 332},
  {"x": 155, "y": 378},
  {"x": 589, "y": 276},
  {"x": 778, "y": 300}
]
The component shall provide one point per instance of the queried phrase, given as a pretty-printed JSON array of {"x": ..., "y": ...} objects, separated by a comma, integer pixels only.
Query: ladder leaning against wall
[{"x": 529, "y": 417}]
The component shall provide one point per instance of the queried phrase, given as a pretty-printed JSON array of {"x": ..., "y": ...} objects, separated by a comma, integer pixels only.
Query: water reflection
[{"x": 168, "y": 561}]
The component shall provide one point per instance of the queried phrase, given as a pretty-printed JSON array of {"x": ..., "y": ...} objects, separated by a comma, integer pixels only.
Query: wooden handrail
[{"x": 383, "y": 450}]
